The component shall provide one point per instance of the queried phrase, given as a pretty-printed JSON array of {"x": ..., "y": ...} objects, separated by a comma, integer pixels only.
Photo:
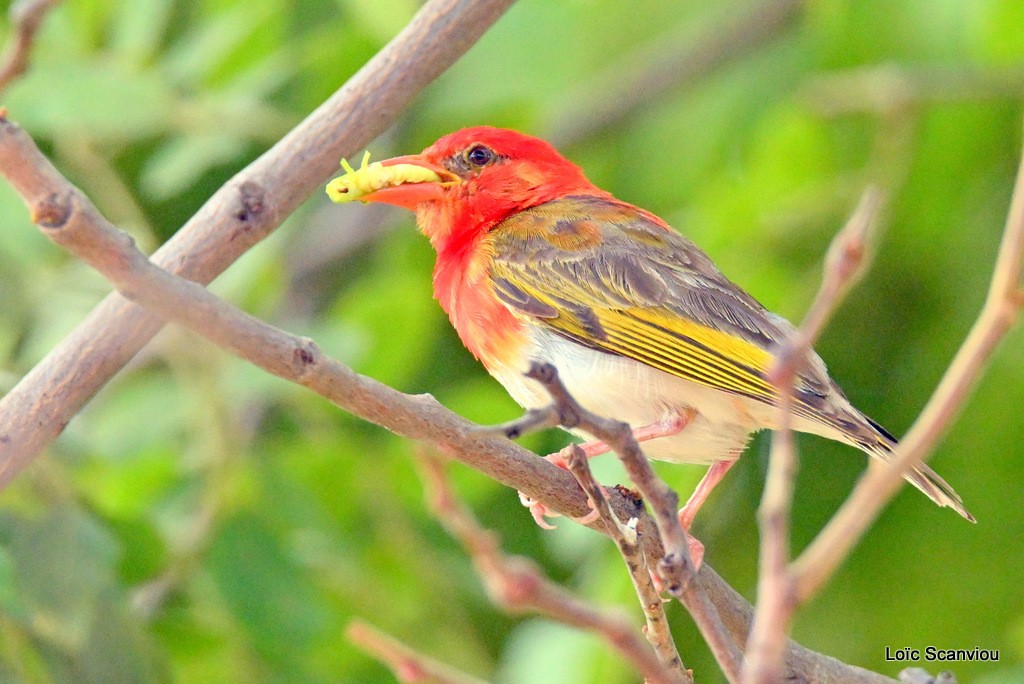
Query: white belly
[{"x": 620, "y": 388}]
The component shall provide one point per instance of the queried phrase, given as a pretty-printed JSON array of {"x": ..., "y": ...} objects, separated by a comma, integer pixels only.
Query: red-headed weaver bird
[{"x": 536, "y": 263}]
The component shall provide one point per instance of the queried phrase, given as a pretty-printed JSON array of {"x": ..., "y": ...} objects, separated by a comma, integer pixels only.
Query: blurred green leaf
[
  {"x": 108, "y": 101},
  {"x": 139, "y": 28},
  {"x": 76, "y": 613},
  {"x": 182, "y": 161},
  {"x": 197, "y": 56},
  {"x": 266, "y": 591}
]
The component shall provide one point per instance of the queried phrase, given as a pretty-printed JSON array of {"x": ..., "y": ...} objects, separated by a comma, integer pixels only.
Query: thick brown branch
[
  {"x": 235, "y": 218},
  {"x": 406, "y": 664},
  {"x": 298, "y": 359},
  {"x": 846, "y": 259},
  {"x": 26, "y": 18}
]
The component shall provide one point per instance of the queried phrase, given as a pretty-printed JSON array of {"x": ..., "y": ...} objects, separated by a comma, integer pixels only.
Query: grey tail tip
[{"x": 923, "y": 477}]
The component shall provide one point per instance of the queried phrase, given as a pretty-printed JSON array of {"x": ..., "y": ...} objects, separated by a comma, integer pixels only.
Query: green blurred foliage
[{"x": 201, "y": 521}]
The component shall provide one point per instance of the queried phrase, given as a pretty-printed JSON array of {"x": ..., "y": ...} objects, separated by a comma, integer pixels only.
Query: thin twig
[
  {"x": 531, "y": 421},
  {"x": 624, "y": 535},
  {"x": 243, "y": 212},
  {"x": 1000, "y": 312},
  {"x": 407, "y": 664},
  {"x": 65, "y": 215},
  {"x": 675, "y": 567},
  {"x": 26, "y": 17},
  {"x": 656, "y": 71},
  {"x": 891, "y": 88},
  {"x": 845, "y": 262},
  {"x": 516, "y": 584}
]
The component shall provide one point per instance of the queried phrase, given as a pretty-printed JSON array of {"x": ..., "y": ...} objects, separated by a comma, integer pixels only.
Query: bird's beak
[{"x": 402, "y": 181}]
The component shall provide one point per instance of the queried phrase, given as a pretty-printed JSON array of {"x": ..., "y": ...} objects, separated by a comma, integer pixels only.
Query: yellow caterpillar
[{"x": 369, "y": 178}]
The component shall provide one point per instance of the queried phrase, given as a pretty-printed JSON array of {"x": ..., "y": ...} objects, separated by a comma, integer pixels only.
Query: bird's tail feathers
[{"x": 922, "y": 477}]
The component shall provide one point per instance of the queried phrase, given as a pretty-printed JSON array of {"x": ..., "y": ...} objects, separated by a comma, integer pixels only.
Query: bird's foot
[
  {"x": 539, "y": 511},
  {"x": 561, "y": 458},
  {"x": 696, "y": 550}
]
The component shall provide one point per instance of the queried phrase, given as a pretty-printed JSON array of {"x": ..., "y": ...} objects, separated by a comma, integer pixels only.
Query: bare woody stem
[
  {"x": 999, "y": 313},
  {"x": 26, "y": 16},
  {"x": 675, "y": 566},
  {"x": 244, "y": 211},
  {"x": 625, "y": 537},
  {"x": 406, "y": 664},
  {"x": 776, "y": 604}
]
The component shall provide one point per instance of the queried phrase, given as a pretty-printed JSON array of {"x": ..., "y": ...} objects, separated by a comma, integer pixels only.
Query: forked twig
[
  {"x": 516, "y": 584},
  {"x": 675, "y": 567},
  {"x": 625, "y": 537},
  {"x": 845, "y": 262},
  {"x": 999, "y": 313}
]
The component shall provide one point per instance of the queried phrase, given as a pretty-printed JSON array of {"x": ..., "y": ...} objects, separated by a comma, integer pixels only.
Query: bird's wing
[{"x": 609, "y": 277}]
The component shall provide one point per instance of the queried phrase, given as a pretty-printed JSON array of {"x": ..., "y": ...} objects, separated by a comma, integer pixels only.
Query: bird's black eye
[{"x": 479, "y": 155}]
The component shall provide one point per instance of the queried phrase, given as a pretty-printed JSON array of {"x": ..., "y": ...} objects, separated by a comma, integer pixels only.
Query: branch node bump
[
  {"x": 631, "y": 496},
  {"x": 53, "y": 211},
  {"x": 305, "y": 355},
  {"x": 252, "y": 201}
]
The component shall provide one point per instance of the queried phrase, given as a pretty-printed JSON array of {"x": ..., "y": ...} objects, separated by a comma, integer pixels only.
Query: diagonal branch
[
  {"x": 407, "y": 664},
  {"x": 244, "y": 211},
  {"x": 68, "y": 217},
  {"x": 675, "y": 566}
]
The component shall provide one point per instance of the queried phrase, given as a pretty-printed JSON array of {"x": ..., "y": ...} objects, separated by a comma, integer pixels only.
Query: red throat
[{"x": 461, "y": 284}]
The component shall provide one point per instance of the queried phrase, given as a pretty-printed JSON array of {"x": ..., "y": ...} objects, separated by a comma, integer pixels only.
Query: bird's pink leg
[
  {"x": 666, "y": 427},
  {"x": 711, "y": 478},
  {"x": 688, "y": 512}
]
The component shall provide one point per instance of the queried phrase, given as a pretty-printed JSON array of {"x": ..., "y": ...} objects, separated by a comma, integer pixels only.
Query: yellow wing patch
[
  {"x": 677, "y": 346},
  {"x": 655, "y": 336}
]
